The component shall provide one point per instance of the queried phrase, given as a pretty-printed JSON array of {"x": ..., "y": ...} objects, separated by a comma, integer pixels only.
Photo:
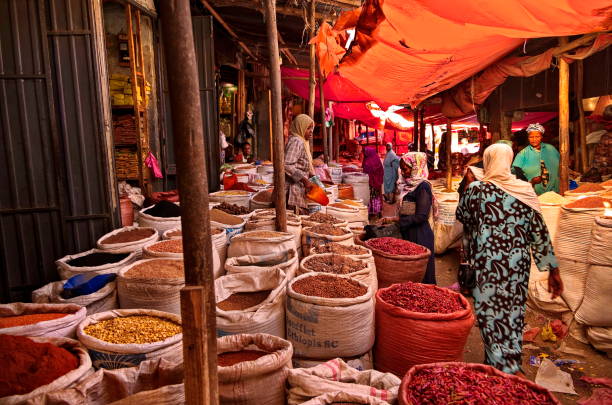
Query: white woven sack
[
  {"x": 110, "y": 355},
  {"x": 62, "y": 327},
  {"x": 230, "y": 230},
  {"x": 294, "y": 227},
  {"x": 266, "y": 317},
  {"x": 323, "y": 328},
  {"x": 127, "y": 247},
  {"x": 66, "y": 271},
  {"x": 310, "y": 238},
  {"x": 367, "y": 275},
  {"x": 219, "y": 241},
  {"x": 574, "y": 233},
  {"x": 167, "y": 234},
  {"x": 361, "y": 185},
  {"x": 250, "y": 243},
  {"x": 217, "y": 263},
  {"x": 256, "y": 205},
  {"x": 447, "y": 236},
  {"x": 72, "y": 377},
  {"x": 574, "y": 276},
  {"x": 600, "y": 252},
  {"x": 600, "y": 338},
  {"x": 150, "y": 293},
  {"x": 306, "y": 223},
  {"x": 597, "y": 302},
  {"x": 147, "y": 253},
  {"x": 337, "y": 376},
  {"x": 345, "y": 214},
  {"x": 241, "y": 199},
  {"x": 360, "y": 363},
  {"x": 102, "y": 300},
  {"x": 340, "y": 397},
  {"x": 159, "y": 223},
  {"x": 538, "y": 296},
  {"x": 261, "y": 381},
  {"x": 551, "y": 213},
  {"x": 446, "y": 212},
  {"x": 288, "y": 262}
]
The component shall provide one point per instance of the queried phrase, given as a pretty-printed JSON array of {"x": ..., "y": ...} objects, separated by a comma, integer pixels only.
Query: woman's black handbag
[{"x": 466, "y": 277}]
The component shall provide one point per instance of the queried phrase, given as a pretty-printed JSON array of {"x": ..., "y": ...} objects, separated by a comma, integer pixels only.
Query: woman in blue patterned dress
[{"x": 503, "y": 226}]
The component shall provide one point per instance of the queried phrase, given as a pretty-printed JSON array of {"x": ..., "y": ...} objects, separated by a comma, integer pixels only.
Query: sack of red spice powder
[
  {"x": 405, "y": 338},
  {"x": 60, "y": 327}
]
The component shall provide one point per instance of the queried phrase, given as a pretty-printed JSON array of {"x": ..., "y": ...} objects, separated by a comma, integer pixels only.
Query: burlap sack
[
  {"x": 126, "y": 247},
  {"x": 159, "y": 223},
  {"x": 255, "y": 244},
  {"x": 310, "y": 238},
  {"x": 538, "y": 296},
  {"x": 574, "y": 233},
  {"x": 574, "y": 276},
  {"x": 366, "y": 275},
  {"x": 66, "y": 271},
  {"x": 600, "y": 338},
  {"x": 102, "y": 300},
  {"x": 287, "y": 261},
  {"x": 62, "y": 327}
]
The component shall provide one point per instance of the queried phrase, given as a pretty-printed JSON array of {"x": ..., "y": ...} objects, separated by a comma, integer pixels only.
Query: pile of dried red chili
[
  {"x": 417, "y": 297},
  {"x": 396, "y": 246},
  {"x": 460, "y": 385},
  {"x": 27, "y": 365}
]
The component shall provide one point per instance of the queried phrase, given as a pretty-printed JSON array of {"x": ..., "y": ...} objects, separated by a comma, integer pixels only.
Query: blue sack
[{"x": 82, "y": 284}]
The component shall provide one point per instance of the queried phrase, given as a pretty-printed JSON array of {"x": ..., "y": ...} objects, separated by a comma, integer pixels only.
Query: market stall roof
[
  {"x": 528, "y": 118},
  {"x": 408, "y": 50}
]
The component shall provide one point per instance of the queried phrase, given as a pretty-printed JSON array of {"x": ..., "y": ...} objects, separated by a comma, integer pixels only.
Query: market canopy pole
[
  {"x": 449, "y": 168},
  {"x": 563, "y": 120},
  {"x": 277, "y": 117},
  {"x": 312, "y": 72},
  {"x": 323, "y": 128},
  {"x": 198, "y": 310},
  {"x": 581, "y": 120}
]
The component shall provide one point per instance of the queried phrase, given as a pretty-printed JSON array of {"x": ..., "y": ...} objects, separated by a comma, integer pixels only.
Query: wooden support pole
[
  {"x": 449, "y": 151},
  {"x": 563, "y": 121},
  {"x": 506, "y": 126},
  {"x": 198, "y": 306},
  {"x": 312, "y": 61},
  {"x": 277, "y": 117},
  {"x": 336, "y": 139},
  {"x": 415, "y": 130},
  {"x": 323, "y": 127},
  {"x": 581, "y": 120},
  {"x": 422, "y": 143},
  {"x": 270, "y": 125}
]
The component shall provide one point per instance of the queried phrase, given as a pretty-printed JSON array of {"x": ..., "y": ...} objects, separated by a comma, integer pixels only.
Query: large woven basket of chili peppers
[
  {"x": 469, "y": 383},
  {"x": 397, "y": 260}
]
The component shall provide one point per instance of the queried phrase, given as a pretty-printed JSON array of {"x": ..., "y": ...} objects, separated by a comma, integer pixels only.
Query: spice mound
[
  {"x": 324, "y": 218},
  {"x": 27, "y": 365},
  {"x": 338, "y": 248},
  {"x": 224, "y": 218},
  {"x": 327, "y": 229},
  {"x": 353, "y": 203},
  {"x": 418, "y": 297},
  {"x": 179, "y": 233},
  {"x": 243, "y": 300},
  {"x": 342, "y": 206},
  {"x": 138, "y": 329},
  {"x": 97, "y": 259},
  {"x": 334, "y": 264},
  {"x": 232, "y": 208},
  {"x": 230, "y": 193},
  {"x": 607, "y": 183},
  {"x": 132, "y": 235},
  {"x": 329, "y": 287},
  {"x": 550, "y": 197},
  {"x": 157, "y": 268},
  {"x": 264, "y": 197},
  {"x": 463, "y": 385},
  {"x": 396, "y": 246},
  {"x": 228, "y": 359},
  {"x": 20, "y": 320},
  {"x": 261, "y": 234},
  {"x": 588, "y": 188},
  {"x": 168, "y": 246},
  {"x": 590, "y": 202},
  {"x": 164, "y": 209}
]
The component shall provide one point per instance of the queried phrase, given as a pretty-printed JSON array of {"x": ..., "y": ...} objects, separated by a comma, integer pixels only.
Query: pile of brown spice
[
  {"x": 242, "y": 300},
  {"x": 224, "y": 218},
  {"x": 333, "y": 263},
  {"x": 338, "y": 248},
  {"x": 260, "y": 234},
  {"x": 168, "y": 246},
  {"x": 157, "y": 268},
  {"x": 328, "y": 229},
  {"x": 341, "y": 206},
  {"x": 232, "y": 209},
  {"x": 131, "y": 235},
  {"x": 321, "y": 218},
  {"x": 590, "y": 202},
  {"x": 264, "y": 196},
  {"x": 228, "y": 359},
  {"x": 179, "y": 233},
  {"x": 329, "y": 287},
  {"x": 588, "y": 188}
]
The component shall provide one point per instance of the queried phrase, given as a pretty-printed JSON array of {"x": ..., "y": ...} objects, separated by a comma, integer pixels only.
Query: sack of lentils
[
  {"x": 128, "y": 239},
  {"x": 322, "y": 234},
  {"x": 162, "y": 216},
  {"x": 253, "y": 369},
  {"x": 251, "y": 303},
  {"x": 334, "y": 263},
  {"x": 217, "y": 235},
  {"x": 173, "y": 249},
  {"x": 329, "y": 316},
  {"x": 94, "y": 261},
  {"x": 320, "y": 218},
  {"x": 287, "y": 261},
  {"x": 352, "y": 251},
  {"x": 258, "y": 243},
  {"x": 152, "y": 284},
  {"x": 467, "y": 383},
  {"x": 417, "y": 324},
  {"x": 35, "y": 366},
  {"x": 101, "y": 300},
  {"x": 397, "y": 260},
  {"x": 265, "y": 220},
  {"x": 126, "y": 337},
  {"x": 49, "y": 320}
]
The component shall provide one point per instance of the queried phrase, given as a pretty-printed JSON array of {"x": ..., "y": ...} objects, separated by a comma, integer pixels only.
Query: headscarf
[
  {"x": 419, "y": 174},
  {"x": 373, "y": 166},
  {"x": 298, "y": 128},
  {"x": 535, "y": 127},
  {"x": 497, "y": 162},
  {"x": 391, "y": 166}
]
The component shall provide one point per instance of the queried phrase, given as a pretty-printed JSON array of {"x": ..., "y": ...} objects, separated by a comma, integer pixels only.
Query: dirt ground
[{"x": 593, "y": 363}]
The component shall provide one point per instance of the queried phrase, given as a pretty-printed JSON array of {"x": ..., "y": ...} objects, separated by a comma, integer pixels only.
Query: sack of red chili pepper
[
  {"x": 466, "y": 383},
  {"x": 397, "y": 260},
  {"x": 419, "y": 324}
]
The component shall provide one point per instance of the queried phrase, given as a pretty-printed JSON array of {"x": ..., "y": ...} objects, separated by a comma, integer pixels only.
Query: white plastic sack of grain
[
  {"x": 72, "y": 377},
  {"x": 600, "y": 338},
  {"x": 337, "y": 376},
  {"x": 538, "y": 296},
  {"x": 348, "y": 214},
  {"x": 361, "y": 362},
  {"x": 574, "y": 276},
  {"x": 310, "y": 238},
  {"x": 267, "y": 222},
  {"x": 323, "y": 328},
  {"x": 66, "y": 270},
  {"x": 159, "y": 223},
  {"x": 287, "y": 261},
  {"x": 597, "y": 302},
  {"x": 102, "y": 300},
  {"x": 127, "y": 247},
  {"x": 574, "y": 233},
  {"x": 111, "y": 355},
  {"x": 257, "y": 243},
  {"x": 600, "y": 252},
  {"x": 366, "y": 275},
  {"x": 265, "y": 317},
  {"x": 61, "y": 327}
]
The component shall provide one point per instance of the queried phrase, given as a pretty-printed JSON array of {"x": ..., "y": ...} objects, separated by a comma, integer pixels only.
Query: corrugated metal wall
[{"x": 55, "y": 195}]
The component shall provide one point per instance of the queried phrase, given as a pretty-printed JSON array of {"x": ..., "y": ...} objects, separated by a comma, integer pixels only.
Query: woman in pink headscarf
[{"x": 373, "y": 167}]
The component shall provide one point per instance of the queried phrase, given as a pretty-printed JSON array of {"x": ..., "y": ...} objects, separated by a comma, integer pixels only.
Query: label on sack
[{"x": 300, "y": 329}]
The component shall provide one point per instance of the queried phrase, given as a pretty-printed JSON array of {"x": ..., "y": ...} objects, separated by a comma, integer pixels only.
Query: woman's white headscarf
[
  {"x": 497, "y": 162},
  {"x": 298, "y": 128}
]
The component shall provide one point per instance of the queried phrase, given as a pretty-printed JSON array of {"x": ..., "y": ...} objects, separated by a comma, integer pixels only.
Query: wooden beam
[
  {"x": 579, "y": 91},
  {"x": 323, "y": 127},
  {"x": 568, "y": 46},
  {"x": 198, "y": 307},
  {"x": 277, "y": 117},
  {"x": 256, "y": 5},
  {"x": 563, "y": 120},
  {"x": 312, "y": 60},
  {"x": 286, "y": 51},
  {"x": 449, "y": 151},
  {"x": 221, "y": 21}
]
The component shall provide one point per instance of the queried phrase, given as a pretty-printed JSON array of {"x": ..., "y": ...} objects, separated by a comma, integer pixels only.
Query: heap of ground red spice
[
  {"x": 588, "y": 188},
  {"x": 27, "y": 365},
  {"x": 590, "y": 202},
  {"x": 21, "y": 320}
]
